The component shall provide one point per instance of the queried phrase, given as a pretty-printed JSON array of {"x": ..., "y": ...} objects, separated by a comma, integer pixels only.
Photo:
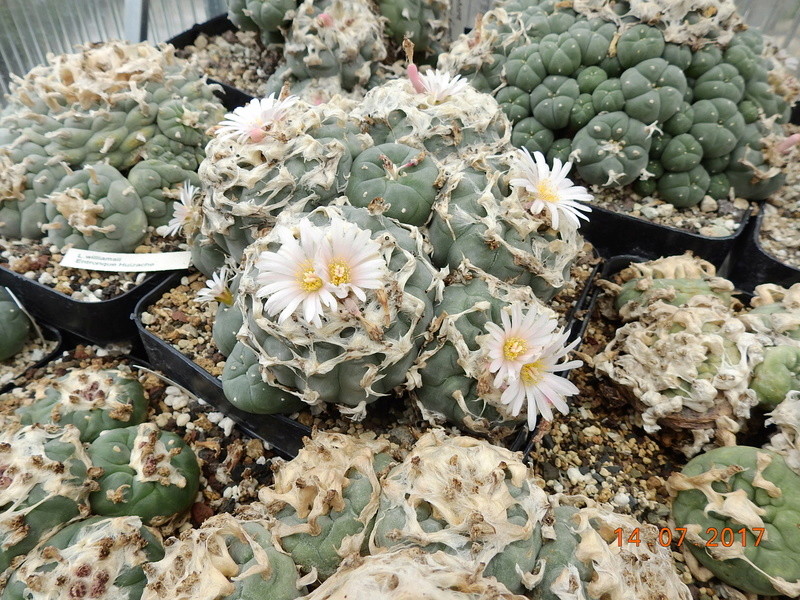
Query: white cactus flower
[
  {"x": 439, "y": 84},
  {"x": 216, "y": 288},
  {"x": 184, "y": 213},
  {"x": 292, "y": 276},
  {"x": 514, "y": 344},
  {"x": 539, "y": 385},
  {"x": 550, "y": 189},
  {"x": 351, "y": 261},
  {"x": 250, "y": 123}
]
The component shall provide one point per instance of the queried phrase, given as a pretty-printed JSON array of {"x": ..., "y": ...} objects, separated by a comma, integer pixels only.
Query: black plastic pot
[
  {"x": 98, "y": 322},
  {"x": 231, "y": 96},
  {"x": 283, "y": 434},
  {"x": 750, "y": 265},
  {"x": 615, "y": 234},
  {"x": 51, "y": 334}
]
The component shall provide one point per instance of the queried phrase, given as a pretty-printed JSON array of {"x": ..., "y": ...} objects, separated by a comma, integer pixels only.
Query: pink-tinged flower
[
  {"x": 550, "y": 190},
  {"x": 515, "y": 343},
  {"x": 216, "y": 289},
  {"x": 185, "y": 213},
  {"x": 292, "y": 277},
  {"x": 539, "y": 386},
  {"x": 250, "y": 123},
  {"x": 439, "y": 84},
  {"x": 351, "y": 261}
]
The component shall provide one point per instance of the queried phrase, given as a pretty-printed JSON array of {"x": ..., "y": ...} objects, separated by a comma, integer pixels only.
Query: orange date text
[{"x": 715, "y": 538}]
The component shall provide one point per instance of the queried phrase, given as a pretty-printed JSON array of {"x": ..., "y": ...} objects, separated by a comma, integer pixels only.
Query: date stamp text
[{"x": 725, "y": 537}]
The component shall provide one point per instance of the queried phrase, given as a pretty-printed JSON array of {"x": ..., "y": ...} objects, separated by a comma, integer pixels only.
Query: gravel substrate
[
  {"x": 235, "y": 58},
  {"x": 233, "y": 465},
  {"x": 34, "y": 350},
  {"x": 40, "y": 262},
  {"x": 780, "y": 228}
]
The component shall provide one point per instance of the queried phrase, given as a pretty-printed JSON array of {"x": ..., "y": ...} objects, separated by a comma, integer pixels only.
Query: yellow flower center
[
  {"x": 309, "y": 280},
  {"x": 514, "y": 347},
  {"x": 225, "y": 297},
  {"x": 339, "y": 272},
  {"x": 546, "y": 192},
  {"x": 533, "y": 373}
]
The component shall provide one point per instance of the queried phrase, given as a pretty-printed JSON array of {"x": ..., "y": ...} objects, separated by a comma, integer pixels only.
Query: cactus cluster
[
  {"x": 341, "y": 47},
  {"x": 15, "y": 327},
  {"x": 456, "y": 518},
  {"x": 678, "y": 100},
  {"x": 690, "y": 358},
  {"x": 341, "y": 222},
  {"x": 93, "y": 145}
]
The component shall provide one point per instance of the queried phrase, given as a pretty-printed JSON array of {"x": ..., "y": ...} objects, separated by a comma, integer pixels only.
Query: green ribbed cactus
[
  {"x": 267, "y": 17},
  {"x": 584, "y": 556},
  {"x": 45, "y": 481},
  {"x": 754, "y": 495},
  {"x": 93, "y": 400},
  {"x": 224, "y": 558},
  {"x": 777, "y": 375},
  {"x": 346, "y": 306},
  {"x": 775, "y": 313},
  {"x": 107, "y": 108},
  {"x": 94, "y": 558},
  {"x": 672, "y": 279},
  {"x": 15, "y": 327},
  {"x": 677, "y": 100},
  {"x": 467, "y": 498},
  {"x": 323, "y": 503},
  {"x": 147, "y": 472}
]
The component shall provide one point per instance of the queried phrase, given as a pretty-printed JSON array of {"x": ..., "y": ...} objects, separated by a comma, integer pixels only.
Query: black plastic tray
[
  {"x": 100, "y": 322},
  {"x": 751, "y": 265},
  {"x": 50, "y": 334},
  {"x": 616, "y": 234},
  {"x": 231, "y": 96},
  {"x": 283, "y": 434}
]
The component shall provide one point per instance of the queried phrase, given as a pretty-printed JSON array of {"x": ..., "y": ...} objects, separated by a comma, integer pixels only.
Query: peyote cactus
[
  {"x": 673, "y": 279},
  {"x": 15, "y": 327},
  {"x": 366, "y": 291},
  {"x": 753, "y": 494},
  {"x": 686, "y": 367},
  {"x": 454, "y": 375},
  {"x": 777, "y": 375},
  {"x": 323, "y": 503},
  {"x": 467, "y": 498},
  {"x": 93, "y": 400},
  {"x": 581, "y": 555},
  {"x": 147, "y": 472},
  {"x": 94, "y": 558},
  {"x": 775, "y": 313},
  {"x": 637, "y": 92},
  {"x": 224, "y": 558},
  {"x": 45, "y": 481},
  {"x": 76, "y": 128},
  {"x": 411, "y": 573}
]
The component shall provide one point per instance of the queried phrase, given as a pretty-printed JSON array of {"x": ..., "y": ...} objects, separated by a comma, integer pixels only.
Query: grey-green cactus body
[
  {"x": 92, "y": 400},
  {"x": 92, "y": 558},
  {"x": 147, "y": 472},
  {"x": 748, "y": 491},
  {"x": 15, "y": 327}
]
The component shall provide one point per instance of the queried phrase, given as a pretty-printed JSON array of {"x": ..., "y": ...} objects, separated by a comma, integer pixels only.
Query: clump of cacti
[
  {"x": 333, "y": 47},
  {"x": 94, "y": 558},
  {"x": 93, "y": 400},
  {"x": 147, "y": 472},
  {"x": 738, "y": 506},
  {"x": 480, "y": 323},
  {"x": 323, "y": 503},
  {"x": 467, "y": 498},
  {"x": 675, "y": 99},
  {"x": 348, "y": 297},
  {"x": 75, "y": 132},
  {"x": 15, "y": 326},
  {"x": 224, "y": 558},
  {"x": 45, "y": 481}
]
